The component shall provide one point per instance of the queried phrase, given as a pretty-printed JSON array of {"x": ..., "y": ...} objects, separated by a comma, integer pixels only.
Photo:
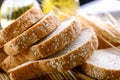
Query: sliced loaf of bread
[
  {"x": 22, "y": 23},
  {"x": 38, "y": 31},
  {"x": 104, "y": 64},
  {"x": 72, "y": 55},
  {"x": 57, "y": 40}
]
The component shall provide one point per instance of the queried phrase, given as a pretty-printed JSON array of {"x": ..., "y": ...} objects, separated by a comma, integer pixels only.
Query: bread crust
[
  {"x": 58, "y": 64},
  {"x": 38, "y": 31},
  {"x": 2, "y": 55},
  {"x": 19, "y": 25}
]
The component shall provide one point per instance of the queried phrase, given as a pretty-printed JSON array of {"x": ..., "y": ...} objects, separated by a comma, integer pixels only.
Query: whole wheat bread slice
[
  {"x": 57, "y": 40},
  {"x": 104, "y": 64},
  {"x": 22, "y": 23},
  {"x": 38, "y": 31},
  {"x": 72, "y": 55}
]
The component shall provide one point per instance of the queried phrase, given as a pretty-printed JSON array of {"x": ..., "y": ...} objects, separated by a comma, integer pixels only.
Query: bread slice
[
  {"x": 103, "y": 30},
  {"x": 104, "y": 64},
  {"x": 72, "y": 55},
  {"x": 38, "y": 31},
  {"x": 57, "y": 40},
  {"x": 22, "y": 23}
]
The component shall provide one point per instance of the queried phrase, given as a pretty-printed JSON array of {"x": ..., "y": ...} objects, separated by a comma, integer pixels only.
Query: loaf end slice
[
  {"x": 72, "y": 55},
  {"x": 22, "y": 23}
]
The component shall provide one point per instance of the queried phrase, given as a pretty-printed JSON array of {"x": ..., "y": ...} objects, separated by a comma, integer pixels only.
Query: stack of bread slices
[{"x": 37, "y": 44}]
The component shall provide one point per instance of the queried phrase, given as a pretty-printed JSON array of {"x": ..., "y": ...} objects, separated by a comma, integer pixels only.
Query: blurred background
[
  {"x": 11, "y": 9},
  {"x": 82, "y": 1}
]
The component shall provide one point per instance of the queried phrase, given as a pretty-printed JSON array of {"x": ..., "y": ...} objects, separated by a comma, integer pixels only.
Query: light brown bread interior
[{"x": 2, "y": 55}]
